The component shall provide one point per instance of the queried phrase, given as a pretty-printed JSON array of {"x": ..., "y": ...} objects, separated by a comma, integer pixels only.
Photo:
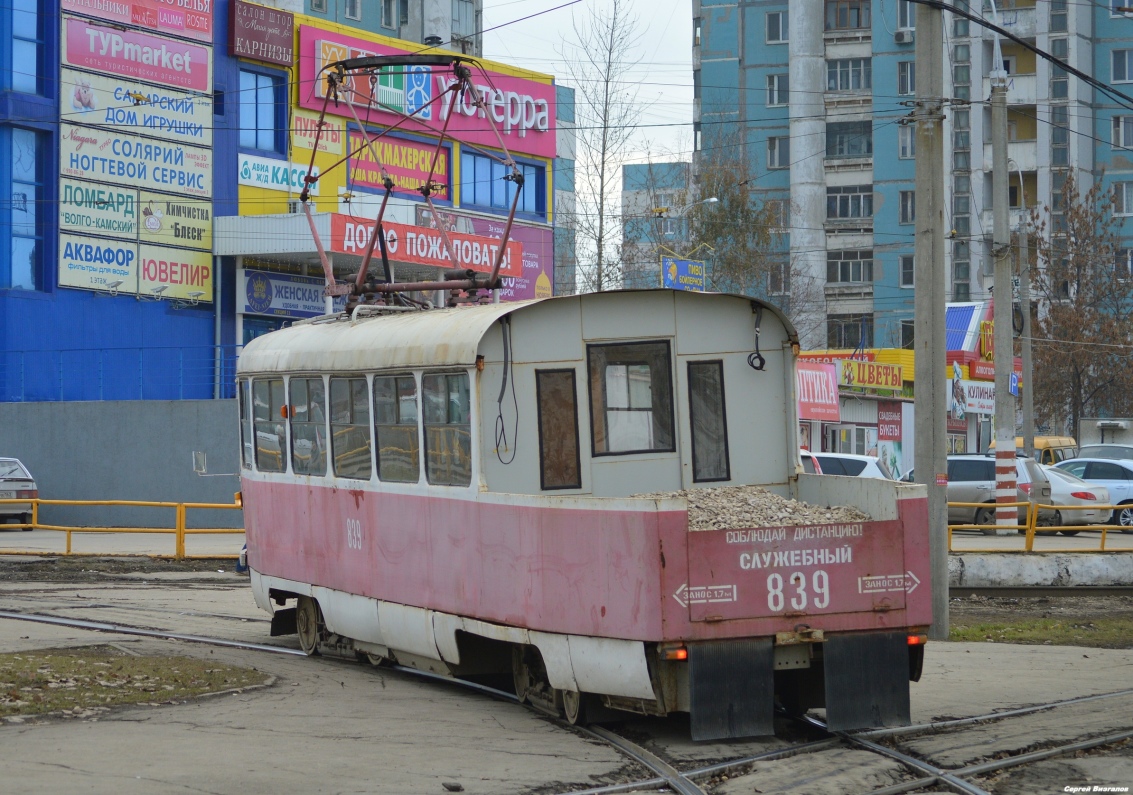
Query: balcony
[
  {"x": 1016, "y": 217},
  {"x": 1023, "y": 156},
  {"x": 1021, "y": 89},
  {"x": 1019, "y": 21}
]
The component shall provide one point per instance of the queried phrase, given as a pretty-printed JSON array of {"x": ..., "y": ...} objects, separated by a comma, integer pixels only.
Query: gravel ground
[
  {"x": 999, "y": 608},
  {"x": 735, "y": 507}
]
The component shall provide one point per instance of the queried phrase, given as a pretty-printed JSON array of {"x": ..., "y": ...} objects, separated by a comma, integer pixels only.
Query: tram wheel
[
  {"x": 521, "y": 674},
  {"x": 309, "y": 622},
  {"x": 574, "y": 707}
]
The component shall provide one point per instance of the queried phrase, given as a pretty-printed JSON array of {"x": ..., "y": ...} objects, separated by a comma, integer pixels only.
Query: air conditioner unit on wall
[{"x": 903, "y": 37}]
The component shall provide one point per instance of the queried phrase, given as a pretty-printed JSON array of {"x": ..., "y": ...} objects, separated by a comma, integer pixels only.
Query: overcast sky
[{"x": 664, "y": 74}]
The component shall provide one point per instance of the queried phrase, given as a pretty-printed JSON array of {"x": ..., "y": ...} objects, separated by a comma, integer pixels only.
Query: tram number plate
[
  {"x": 7, "y": 495},
  {"x": 799, "y": 590},
  {"x": 353, "y": 534}
]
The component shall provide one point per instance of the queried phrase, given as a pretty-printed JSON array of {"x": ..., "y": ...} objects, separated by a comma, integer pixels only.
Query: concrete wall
[{"x": 127, "y": 450}]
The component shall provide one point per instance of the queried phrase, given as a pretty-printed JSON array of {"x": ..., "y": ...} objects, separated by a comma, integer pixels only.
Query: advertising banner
[
  {"x": 123, "y": 159},
  {"x": 189, "y": 18},
  {"x": 262, "y": 33},
  {"x": 870, "y": 375},
  {"x": 837, "y": 357},
  {"x": 304, "y": 130},
  {"x": 97, "y": 209},
  {"x": 174, "y": 221},
  {"x": 817, "y": 385},
  {"x": 264, "y": 172},
  {"x": 92, "y": 264},
  {"x": 889, "y": 428},
  {"x": 186, "y": 275},
  {"x": 136, "y": 54},
  {"x": 523, "y": 110},
  {"x": 280, "y": 294},
  {"x": 136, "y": 107},
  {"x": 682, "y": 274},
  {"x": 407, "y": 163}
]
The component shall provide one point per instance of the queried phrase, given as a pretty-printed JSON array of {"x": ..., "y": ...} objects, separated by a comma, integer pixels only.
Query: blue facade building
[{"x": 653, "y": 196}]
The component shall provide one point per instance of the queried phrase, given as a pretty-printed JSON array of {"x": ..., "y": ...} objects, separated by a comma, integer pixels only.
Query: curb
[{"x": 1039, "y": 569}]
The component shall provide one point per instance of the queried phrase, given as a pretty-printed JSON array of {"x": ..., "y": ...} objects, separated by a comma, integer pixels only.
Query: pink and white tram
[{"x": 452, "y": 489}]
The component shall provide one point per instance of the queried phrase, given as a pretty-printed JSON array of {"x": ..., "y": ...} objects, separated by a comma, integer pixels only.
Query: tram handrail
[
  {"x": 179, "y": 529},
  {"x": 1031, "y": 526}
]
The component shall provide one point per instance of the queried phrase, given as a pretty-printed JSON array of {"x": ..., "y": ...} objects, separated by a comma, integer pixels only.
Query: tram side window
[
  {"x": 631, "y": 398},
  {"x": 448, "y": 429},
  {"x": 558, "y": 430},
  {"x": 271, "y": 433},
  {"x": 247, "y": 449},
  {"x": 708, "y": 421},
  {"x": 395, "y": 419},
  {"x": 350, "y": 427},
  {"x": 308, "y": 427}
]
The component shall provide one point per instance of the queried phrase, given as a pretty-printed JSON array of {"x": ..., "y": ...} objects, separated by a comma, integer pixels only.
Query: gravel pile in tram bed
[{"x": 736, "y": 507}]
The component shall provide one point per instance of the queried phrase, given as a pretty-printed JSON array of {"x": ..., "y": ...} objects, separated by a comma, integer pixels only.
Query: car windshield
[{"x": 13, "y": 470}]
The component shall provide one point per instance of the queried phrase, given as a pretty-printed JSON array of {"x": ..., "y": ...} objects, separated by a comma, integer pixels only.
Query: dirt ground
[{"x": 92, "y": 569}]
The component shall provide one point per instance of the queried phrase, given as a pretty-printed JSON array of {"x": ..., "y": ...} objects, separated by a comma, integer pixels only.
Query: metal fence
[
  {"x": 1029, "y": 528},
  {"x": 134, "y": 373}
]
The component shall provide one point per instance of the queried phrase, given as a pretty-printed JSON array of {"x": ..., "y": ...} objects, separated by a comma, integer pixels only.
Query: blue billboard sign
[{"x": 682, "y": 274}]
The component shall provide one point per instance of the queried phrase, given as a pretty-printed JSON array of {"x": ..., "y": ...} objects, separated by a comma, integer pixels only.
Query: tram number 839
[
  {"x": 353, "y": 534},
  {"x": 801, "y": 597}
]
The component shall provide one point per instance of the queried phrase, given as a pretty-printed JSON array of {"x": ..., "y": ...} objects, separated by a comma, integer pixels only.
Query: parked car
[
  {"x": 848, "y": 464},
  {"x": 16, "y": 483},
  {"x": 971, "y": 478},
  {"x": 1116, "y": 476},
  {"x": 1067, "y": 490},
  {"x": 1106, "y": 451}
]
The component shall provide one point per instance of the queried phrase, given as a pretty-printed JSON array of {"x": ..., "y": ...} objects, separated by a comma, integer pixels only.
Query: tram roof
[{"x": 448, "y": 337}]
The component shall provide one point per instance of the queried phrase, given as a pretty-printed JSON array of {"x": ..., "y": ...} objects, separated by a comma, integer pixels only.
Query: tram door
[{"x": 258, "y": 326}]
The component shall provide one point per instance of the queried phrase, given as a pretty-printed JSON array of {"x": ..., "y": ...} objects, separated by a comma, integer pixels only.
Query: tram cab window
[
  {"x": 558, "y": 430},
  {"x": 707, "y": 421},
  {"x": 395, "y": 419},
  {"x": 308, "y": 427},
  {"x": 631, "y": 398},
  {"x": 271, "y": 433},
  {"x": 448, "y": 429},
  {"x": 350, "y": 427},
  {"x": 247, "y": 449}
]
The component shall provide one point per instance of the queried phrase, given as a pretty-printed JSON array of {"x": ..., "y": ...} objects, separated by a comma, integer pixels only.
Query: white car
[
  {"x": 16, "y": 483},
  {"x": 1070, "y": 490},
  {"x": 862, "y": 466},
  {"x": 1116, "y": 475}
]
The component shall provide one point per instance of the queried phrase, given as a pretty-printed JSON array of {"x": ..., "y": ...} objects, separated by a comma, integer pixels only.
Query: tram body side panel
[{"x": 514, "y": 561}]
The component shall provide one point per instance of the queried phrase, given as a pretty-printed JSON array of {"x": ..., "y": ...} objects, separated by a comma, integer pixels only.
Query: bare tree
[
  {"x": 598, "y": 62},
  {"x": 1084, "y": 326}
]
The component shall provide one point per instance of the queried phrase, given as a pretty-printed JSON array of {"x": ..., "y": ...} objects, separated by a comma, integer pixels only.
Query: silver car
[
  {"x": 1069, "y": 490},
  {"x": 971, "y": 478},
  {"x": 16, "y": 483}
]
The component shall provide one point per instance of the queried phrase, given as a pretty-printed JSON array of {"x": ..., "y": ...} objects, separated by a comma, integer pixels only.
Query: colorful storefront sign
[
  {"x": 94, "y": 264},
  {"x": 185, "y": 275},
  {"x": 522, "y": 109},
  {"x": 305, "y": 129},
  {"x": 192, "y": 19},
  {"x": 279, "y": 294},
  {"x": 120, "y": 158},
  {"x": 817, "y": 386},
  {"x": 889, "y": 429},
  {"x": 137, "y": 54},
  {"x": 261, "y": 33},
  {"x": 264, "y": 172},
  {"x": 870, "y": 375},
  {"x": 136, "y": 107},
  {"x": 682, "y": 274},
  {"x": 175, "y": 221},
  {"x": 98, "y": 209},
  {"x": 407, "y": 162}
]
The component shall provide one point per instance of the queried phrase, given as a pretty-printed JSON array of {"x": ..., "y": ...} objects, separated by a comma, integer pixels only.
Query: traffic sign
[{"x": 1013, "y": 384}]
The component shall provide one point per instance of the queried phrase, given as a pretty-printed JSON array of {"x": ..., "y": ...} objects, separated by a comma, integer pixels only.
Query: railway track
[{"x": 898, "y": 745}]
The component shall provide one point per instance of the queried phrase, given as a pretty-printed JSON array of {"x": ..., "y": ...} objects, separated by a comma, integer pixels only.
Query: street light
[{"x": 661, "y": 211}]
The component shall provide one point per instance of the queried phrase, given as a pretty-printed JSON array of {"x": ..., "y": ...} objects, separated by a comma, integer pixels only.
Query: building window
[
  {"x": 849, "y": 267},
  {"x": 1123, "y": 132},
  {"x": 849, "y": 331},
  {"x": 1122, "y": 262},
  {"x": 849, "y": 201},
  {"x": 908, "y": 272},
  {"x": 1123, "y": 198},
  {"x": 395, "y": 421},
  {"x": 906, "y": 77},
  {"x": 849, "y": 139},
  {"x": 463, "y": 18},
  {"x": 847, "y": 14},
  {"x": 906, "y": 142},
  {"x": 350, "y": 427},
  {"x": 696, "y": 32},
  {"x": 907, "y": 338},
  {"x": 24, "y": 221},
  {"x": 777, "y": 30},
  {"x": 559, "y": 464},
  {"x": 779, "y": 276},
  {"x": 631, "y": 398},
  {"x": 1060, "y": 135},
  {"x": 263, "y": 110},
  {"x": 1119, "y": 8},
  {"x": 308, "y": 427},
  {"x": 26, "y": 46},
  {"x": 353, "y": 9},
  {"x": 908, "y": 206},
  {"x": 483, "y": 183},
  {"x": 779, "y": 152},
  {"x": 708, "y": 421},
  {"x": 404, "y": 11},
  {"x": 1058, "y": 15},
  {"x": 849, "y": 74},
  {"x": 776, "y": 213},
  {"x": 319, "y": 5},
  {"x": 448, "y": 429},
  {"x": 778, "y": 90},
  {"x": 1122, "y": 66},
  {"x": 271, "y": 432},
  {"x": 389, "y": 13},
  {"x": 906, "y": 15}
]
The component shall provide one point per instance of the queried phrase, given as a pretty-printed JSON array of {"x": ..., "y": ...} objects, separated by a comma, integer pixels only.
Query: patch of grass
[
  {"x": 84, "y": 681},
  {"x": 1104, "y": 633}
]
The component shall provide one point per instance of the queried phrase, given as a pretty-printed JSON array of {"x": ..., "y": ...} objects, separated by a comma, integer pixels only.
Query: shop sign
[
  {"x": 136, "y": 107},
  {"x": 304, "y": 130},
  {"x": 522, "y": 110},
  {"x": 408, "y": 164},
  {"x": 124, "y": 159},
  {"x": 985, "y": 371},
  {"x": 424, "y": 246},
  {"x": 133, "y": 53},
  {"x": 90, "y": 263},
  {"x": 185, "y": 275},
  {"x": 280, "y": 294},
  {"x": 987, "y": 339},
  {"x": 264, "y": 172},
  {"x": 889, "y": 443},
  {"x": 871, "y": 375},
  {"x": 969, "y": 397},
  {"x": 97, "y": 209},
  {"x": 174, "y": 221},
  {"x": 817, "y": 384},
  {"x": 189, "y": 18},
  {"x": 682, "y": 274},
  {"x": 837, "y": 357},
  {"x": 261, "y": 33}
]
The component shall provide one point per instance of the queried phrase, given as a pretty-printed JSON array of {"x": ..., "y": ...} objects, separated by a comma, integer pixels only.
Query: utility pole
[
  {"x": 1025, "y": 342},
  {"x": 930, "y": 405}
]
